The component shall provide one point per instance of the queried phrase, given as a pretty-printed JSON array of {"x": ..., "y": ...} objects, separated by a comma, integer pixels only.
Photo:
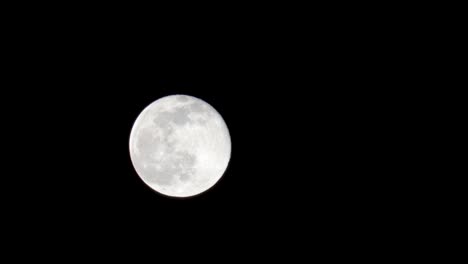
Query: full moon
[{"x": 180, "y": 146}]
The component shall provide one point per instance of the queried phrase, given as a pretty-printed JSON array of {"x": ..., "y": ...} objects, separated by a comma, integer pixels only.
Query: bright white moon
[{"x": 180, "y": 146}]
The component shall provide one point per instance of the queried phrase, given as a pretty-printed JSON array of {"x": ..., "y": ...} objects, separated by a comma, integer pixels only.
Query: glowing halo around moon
[{"x": 180, "y": 146}]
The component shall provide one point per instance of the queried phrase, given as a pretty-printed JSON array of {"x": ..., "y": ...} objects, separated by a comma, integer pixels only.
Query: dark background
[{"x": 309, "y": 107}]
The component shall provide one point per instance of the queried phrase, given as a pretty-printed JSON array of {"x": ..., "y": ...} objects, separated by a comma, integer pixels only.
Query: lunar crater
[{"x": 163, "y": 171}]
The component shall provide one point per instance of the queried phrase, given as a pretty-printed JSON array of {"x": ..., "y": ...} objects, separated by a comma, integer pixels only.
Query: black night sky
[{"x": 307, "y": 113}]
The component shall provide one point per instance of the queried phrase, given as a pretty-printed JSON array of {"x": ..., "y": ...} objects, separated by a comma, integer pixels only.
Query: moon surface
[{"x": 180, "y": 146}]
